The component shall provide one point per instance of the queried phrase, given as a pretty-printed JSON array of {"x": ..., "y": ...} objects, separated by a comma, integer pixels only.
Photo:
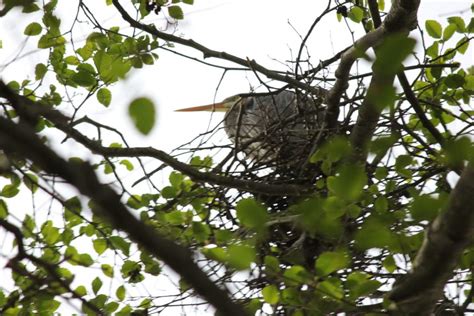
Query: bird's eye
[{"x": 249, "y": 104}]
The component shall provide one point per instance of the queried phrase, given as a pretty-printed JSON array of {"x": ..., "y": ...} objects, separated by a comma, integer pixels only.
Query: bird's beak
[{"x": 216, "y": 107}]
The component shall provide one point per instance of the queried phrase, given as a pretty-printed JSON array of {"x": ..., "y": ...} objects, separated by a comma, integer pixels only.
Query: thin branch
[
  {"x": 21, "y": 139},
  {"x": 207, "y": 52},
  {"x": 31, "y": 111}
]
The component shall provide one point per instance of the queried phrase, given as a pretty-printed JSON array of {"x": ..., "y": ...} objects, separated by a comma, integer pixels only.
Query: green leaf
[
  {"x": 31, "y": 182},
  {"x": 462, "y": 45},
  {"x": 200, "y": 231},
  {"x": 270, "y": 294},
  {"x": 104, "y": 96},
  {"x": 176, "y": 178},
  {"x": 142, "y": 113},
  {"x": 215, "y": 253},
  {"x": 296, "y": 275},
  {"x": 49, "y": 40},
  {"x": 348, "y": 184},
  {"x": 458, "y": 22},
  {"x": 188, "y": 1},
  {"x": 73, "y": 204},
  {"x": 72, "y": 60},
  {"x": 433, "y": 50},
  {"x": 120, "y": 293},
  {"x": 332, "y": 287},
  {"x": 381, "y": 204},
  {"x": 176, "y": 12},
  {"x": 84, "y": 79},
  {"x": 433, "y": 28},
  {"x": 251, "y": 213},
  {"x": 240, "y": 256},
  {"x": 81, "y": 290},
  {"x": 449, "y": 31},
  {"x": 110, "y": 67},
  {"x": 85, "y": 260},
  {"x": 10, "y": 190},
  {"x": 107, "y": 270},
  {"x": 272, "y": 265},
  {"x": 96, "y": 285},
  {"x": 30, "y": 7},
  {"x": 392, "y": 52},
  {"x": 120, "y": 243},
  {"x": 458, "y": 150},
  {"x": 3, "y": 209},
  {"x": 356, "y": 14},
  {"x": 40, "y": 71},
  {"x": 100, "y": 245},
  {"x": 374, "y": 233},
  {"x": 33, "y": 29},
  {"x": 359, "y": 284},
  {"x": 131, "y": 270},
  {"x": 111, "y": 307},
  {"x": 454, "y": 81},
  {"x": 331, "y": 261},
  {"x": 389, "y": 264}
]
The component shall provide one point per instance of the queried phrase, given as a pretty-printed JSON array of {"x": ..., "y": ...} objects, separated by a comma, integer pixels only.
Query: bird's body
[{"x": 271, "y": 129}]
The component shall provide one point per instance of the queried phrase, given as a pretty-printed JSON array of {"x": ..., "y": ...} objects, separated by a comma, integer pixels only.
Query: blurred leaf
[
  {"x": 389, "y": 264},
  {"x": 142, "y": 112},
  {"x": 332, "y": 287},
  {"x": 240, "y": 256},
  {"x": 433, "y": 28},
  {"x": 331, "y": 261},
  {"x": 252, "y": 214},
  {"x": 356, "y": 14},
  {"x": 84, "y": 79},
  {"x": 458, "y": 150},
  {"x": 176, "y": 12},
  {"x": 96, "y": 285},
  {"x": 348, "y": 184},
  {"x": 10, "y": 190},
  {"x": 374, "y": 233},
  {"x": 3, "y": 209},
  {"x": 458, "y": 22},
  {"x": 31, "y": 182},
  {"x": 360, "y": 284},
  {"x": 425, "y": 207},
  {"x": 454, "y": 81},
  {"x": 40, "y": 71},
  {"x": 104, "y": 96},
  {"x": 120, "y": 293},
  {"x": 449, "y": 31},
  {"x": 99, "y": 245},
  {"x": 392, "y": 52},
  {"x": 107, "y": 270},
  {"x": 296, "y": 275},
  {"x": 462, "y": 45},
  {"x": 270, "y": 294},
  {"x": 33, "y": 29}
]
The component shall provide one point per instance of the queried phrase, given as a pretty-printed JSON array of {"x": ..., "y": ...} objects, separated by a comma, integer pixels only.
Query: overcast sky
[{"x": 264, "y": 30}]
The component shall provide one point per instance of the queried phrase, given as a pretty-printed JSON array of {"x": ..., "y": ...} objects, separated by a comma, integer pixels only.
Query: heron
[{"x": 272, "y": 128}]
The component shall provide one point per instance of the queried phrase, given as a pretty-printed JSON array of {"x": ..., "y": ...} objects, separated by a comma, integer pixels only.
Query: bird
[{"x": 272, "y": 128}]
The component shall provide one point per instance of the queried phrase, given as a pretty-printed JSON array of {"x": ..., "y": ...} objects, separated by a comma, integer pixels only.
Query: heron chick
[{"x": 271, "y": 129}]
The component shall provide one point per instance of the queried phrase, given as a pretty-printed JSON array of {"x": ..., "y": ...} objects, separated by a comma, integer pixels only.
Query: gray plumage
[{"x": 273, "y": 129}]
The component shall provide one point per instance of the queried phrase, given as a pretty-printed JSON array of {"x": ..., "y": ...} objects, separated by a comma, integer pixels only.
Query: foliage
[{"x": 337, "y": 249}]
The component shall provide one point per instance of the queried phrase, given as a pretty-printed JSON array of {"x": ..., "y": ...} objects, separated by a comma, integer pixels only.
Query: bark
[{"x": 445, "y": 240}]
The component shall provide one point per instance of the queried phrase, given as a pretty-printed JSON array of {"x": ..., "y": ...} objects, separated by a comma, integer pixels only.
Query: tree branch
[
  {"x": 21, "y": 139},
  {"x": 31, "y": 110},
  {"x": 445, "y": 240},
  {"x": 207, "y": 52},
  {"x": 401, "y": 18}
]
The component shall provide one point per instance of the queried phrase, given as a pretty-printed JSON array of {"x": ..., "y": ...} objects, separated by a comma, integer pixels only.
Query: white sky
[{"x": 257, "y": 29}]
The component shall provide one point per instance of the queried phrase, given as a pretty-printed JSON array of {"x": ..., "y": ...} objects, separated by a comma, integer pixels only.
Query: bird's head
[{"x": 223, "y": 106}]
